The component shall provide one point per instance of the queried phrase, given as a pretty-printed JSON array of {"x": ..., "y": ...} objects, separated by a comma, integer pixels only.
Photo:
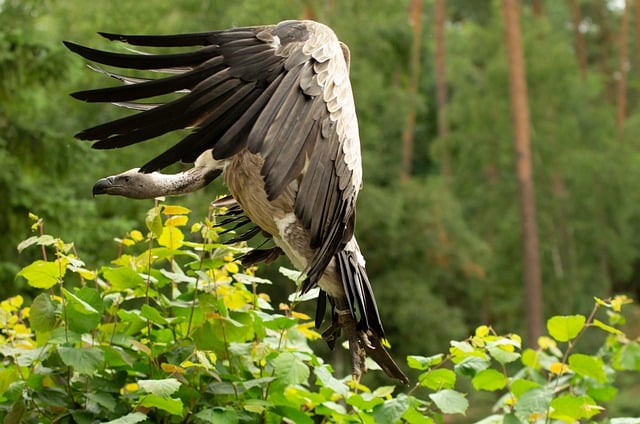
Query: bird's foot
[
  {"x": 361, "y": 344},
  {"x": 357, "y": 341}
]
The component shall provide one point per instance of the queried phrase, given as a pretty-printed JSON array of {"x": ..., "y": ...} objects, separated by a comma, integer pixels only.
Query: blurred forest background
[{"x": 439, "y": 214}]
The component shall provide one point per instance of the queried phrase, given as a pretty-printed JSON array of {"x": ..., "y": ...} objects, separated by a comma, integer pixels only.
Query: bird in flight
[{"x": 271, "y": 109}]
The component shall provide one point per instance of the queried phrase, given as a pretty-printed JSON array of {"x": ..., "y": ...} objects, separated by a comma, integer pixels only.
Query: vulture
[{"x": 271, "y": 109}]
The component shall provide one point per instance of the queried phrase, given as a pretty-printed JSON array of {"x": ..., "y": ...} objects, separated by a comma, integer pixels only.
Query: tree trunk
[
  {"x": 408, "y": 134},
  {"x": 308, "y": 11},
  {"x": 621, "y": 98},
  {"x": 441, "y": 85},
  {"x": 538, "y": 8},
  {"x": 576, "y": 18},
  {"x": 520, "y": 115},
  {"x": 605, "y": 40},
  {"x": 637, "y": 24}
]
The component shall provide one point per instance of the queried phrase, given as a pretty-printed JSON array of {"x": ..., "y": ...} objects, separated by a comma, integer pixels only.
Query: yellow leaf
[
  {"x": 307, "y": 330},
  {"x": 232, "y": 267},
  {"x": 131, "y": 387},
  {"x": 86, "y": 274},
  {"x": 265, "y": 297},
  {"x": 300, "y": 315},
  {"x": 558, "y": 368},
  {"x": 136, "y": 235},
  {"x": 516, "y": 338},
  {"x": 176, "y": 221},
  {"x": 546, "y": 342},
  {"x": 618, "y": 301},
  {"x": 600, "y": 301},
  {"x": 171, "y": 237},
  {"x": 128, "y": 242},
  {"x": 235, "y": 300},
  {"x": 482, "y": 331},
  {"x": 172, "y": 368},
  {"x": 175, "y": 210}
]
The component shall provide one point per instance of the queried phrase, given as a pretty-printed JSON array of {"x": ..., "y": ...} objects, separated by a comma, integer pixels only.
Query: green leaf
[
  {"x": 423, "y": 362},
  {"x": 7, "y": 377},
  {"x": 530, "y": 358},
  {"x": 250, "y": 279},
  {"x": 450, "y": 401},
  {"x": 605, "y": 327},
  {"x": 171, "y": 405},
  {"x": 471, "y": 365},
  {"x": 438, "y": 379},
  {"x": 84, "y": 309},
  {"x": 79, "y": 304},
  {"x": 588, "y": 366},
  {"x": 16, "y": 413},
  {"x": 291, "y": 274},
  {"x": 391, "y": 410},
  {"x": 42, "y": 315},
  {"x": 289, "y": 369},
  {"x": 521, "y": 385},
  {"x": 534, "y": 402},
  {"x": 364, "y": 401},
  {"x": 103, "y": 399},
  {"x": 628, "y": 358},
  {"x": 256, "y": 406},
  {"x": 153, "y": 220},
  {"x": 153, "y": 315},
  {"x": 293, "y": 414},
  {"x": 570, "y": 408},
  {"x": 501, "y": 355},
  {"x": 85, "y": 360},
  {"x": 163, "y": 387},
  {"x": 565, "y": 328},
  {"x": 490, "y": 380},
  {"x": 26, "y": 243},
  {"x": 122, "y": 278},
  {"x": 297, "y": 297},
  {"x": 328, "y": 380},
  {"x": 383, "y": 391},
  {"x": 602, "y": 394},
  {"x": 219, "y": 415},
  {"x": 415, "y": 416},
  {"x": 42, "y": 274}
]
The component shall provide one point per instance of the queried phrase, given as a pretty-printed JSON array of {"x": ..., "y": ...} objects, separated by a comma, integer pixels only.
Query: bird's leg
[
  {"x": 348, "y": 323},
  {"x": 343, "y": 319}
]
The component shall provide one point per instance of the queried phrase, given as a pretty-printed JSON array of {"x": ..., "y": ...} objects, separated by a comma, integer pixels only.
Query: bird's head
[{"x": 132, "y": 184}]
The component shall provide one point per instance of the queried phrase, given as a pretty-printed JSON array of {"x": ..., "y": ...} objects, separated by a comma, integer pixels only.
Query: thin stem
[{"x": 570, "y": 345}]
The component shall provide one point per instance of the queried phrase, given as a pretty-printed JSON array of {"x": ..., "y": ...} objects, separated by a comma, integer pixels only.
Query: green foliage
[{"x": 175, "y": 330}]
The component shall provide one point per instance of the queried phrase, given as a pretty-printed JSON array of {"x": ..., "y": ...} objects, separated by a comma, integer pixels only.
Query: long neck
[{"x": 182, "y": 182}]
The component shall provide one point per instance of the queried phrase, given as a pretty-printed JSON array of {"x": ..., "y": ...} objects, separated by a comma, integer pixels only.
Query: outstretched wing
[{"x": 282, "y": 91}]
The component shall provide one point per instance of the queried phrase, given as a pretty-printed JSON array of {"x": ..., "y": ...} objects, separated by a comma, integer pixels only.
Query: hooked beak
[{"x": 102, "y": 186}]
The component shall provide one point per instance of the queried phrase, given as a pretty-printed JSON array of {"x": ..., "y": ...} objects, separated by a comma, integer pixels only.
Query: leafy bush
[{"x": 177, "y": 331}]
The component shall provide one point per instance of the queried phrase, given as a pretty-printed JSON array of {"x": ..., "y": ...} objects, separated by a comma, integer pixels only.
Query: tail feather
[
  {"x": 362, "y": 303},
  {"x": 359, "y": 293}
]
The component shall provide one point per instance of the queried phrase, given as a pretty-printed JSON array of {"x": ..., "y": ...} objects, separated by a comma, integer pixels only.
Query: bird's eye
[{"x": 127, "y": 179}]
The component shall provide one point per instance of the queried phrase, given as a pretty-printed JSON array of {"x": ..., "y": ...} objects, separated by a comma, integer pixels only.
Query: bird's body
[{"x": 271, "y": 108}]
